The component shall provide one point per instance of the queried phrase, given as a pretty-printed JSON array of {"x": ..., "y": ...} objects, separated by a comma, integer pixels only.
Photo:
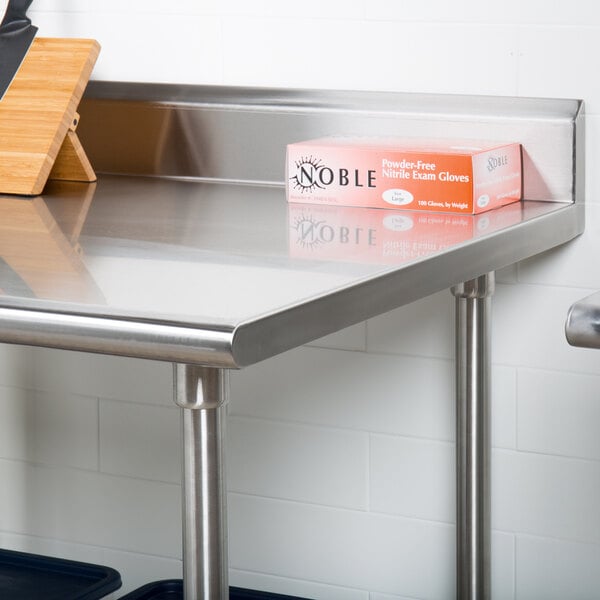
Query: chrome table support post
[
  {"x": 473, "y": 444},
  {"x": 202, "y": 393}
]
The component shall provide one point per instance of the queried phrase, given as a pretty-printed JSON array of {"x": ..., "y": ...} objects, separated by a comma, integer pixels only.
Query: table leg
[
  {"x": 473, "y": 444},
  {"x": 201, "y": 393}
]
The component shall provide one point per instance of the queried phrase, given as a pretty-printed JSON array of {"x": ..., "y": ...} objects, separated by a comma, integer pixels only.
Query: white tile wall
[
  {"x": 344, "y": 64},
  {"x": 90, "y": 508},
  {"x": 528, "y": 329},
  {"x": 364, "y": 392},
  {"x": 423, "y": 328},
  {"x": 15, "y": 365},
  {"x": 140, "y": 441},
  {"x": 413, "y": 478},
  {"x": 351, "y": 338},
  {"x": 127, "y": 57},
  {"x": 556, "y": 569},
  {"x": 406, "y": 395},
  {"x": 307, "y": 464},
  {"x": 555, "y": 412},
  {"x": 549, "y": 59},
  {"x": 341, "y": 452},
  {"x": 52, "y": 428},
  {"x": 334, "y": 546},
  {"x": 141, "y": 381},
  {"x": 376, "y": 596},
  {"x": 294, "y": 587},
  {"x": 531, "y": 12},
  {"x": 573, "y": 265},
  {"x": 592, "y": 143},
  {"x": 355, "y": 549},
  {"x": 546, "y": 495}
]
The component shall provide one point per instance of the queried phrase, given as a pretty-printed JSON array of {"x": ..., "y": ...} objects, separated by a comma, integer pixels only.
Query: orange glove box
[{"x": 465, "y": 177}]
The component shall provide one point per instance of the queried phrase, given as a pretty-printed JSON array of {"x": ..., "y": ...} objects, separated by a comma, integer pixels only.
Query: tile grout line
[
  {"x": 98, "y": 448},
  {"x": 515, "y": 565},
  {"x": 368, "y": 466}
]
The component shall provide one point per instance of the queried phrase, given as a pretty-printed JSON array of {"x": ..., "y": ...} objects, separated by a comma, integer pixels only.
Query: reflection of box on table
[{"x": 371, "y": 235}]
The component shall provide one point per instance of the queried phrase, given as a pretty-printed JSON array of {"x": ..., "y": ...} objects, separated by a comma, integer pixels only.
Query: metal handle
[{"x": 583, "y": 322}]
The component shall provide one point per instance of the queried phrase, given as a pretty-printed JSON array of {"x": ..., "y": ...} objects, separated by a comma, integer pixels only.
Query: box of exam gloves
[{"x": 467, "y": 177}]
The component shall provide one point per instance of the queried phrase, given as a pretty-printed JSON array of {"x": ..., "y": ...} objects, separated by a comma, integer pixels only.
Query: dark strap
[{"x": 15, "y": 18}]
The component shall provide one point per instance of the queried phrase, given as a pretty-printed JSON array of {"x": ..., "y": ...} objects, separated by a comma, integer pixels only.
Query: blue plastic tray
[
  {"x": 33, "y": 577},
  {"x": 172, "y": 589}
]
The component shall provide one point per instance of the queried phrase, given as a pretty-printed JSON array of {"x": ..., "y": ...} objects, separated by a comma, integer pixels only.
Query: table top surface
[{"x": 228, "y": 274}]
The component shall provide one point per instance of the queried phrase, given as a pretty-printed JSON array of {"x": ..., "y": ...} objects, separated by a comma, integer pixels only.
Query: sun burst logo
[
  {"x": 306, "y": 179},
  {"x": 307, "y": 228}
]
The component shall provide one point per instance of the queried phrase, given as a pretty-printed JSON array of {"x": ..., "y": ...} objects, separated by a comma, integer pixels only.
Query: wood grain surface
[{"x": 38, "y": 110}]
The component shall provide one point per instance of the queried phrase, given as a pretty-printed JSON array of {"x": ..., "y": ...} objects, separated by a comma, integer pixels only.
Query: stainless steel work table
[{"x": 189, "y": 253}]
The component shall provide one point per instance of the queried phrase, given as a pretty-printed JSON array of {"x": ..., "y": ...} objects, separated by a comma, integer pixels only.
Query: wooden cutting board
[{"x": 37, "y": 116}]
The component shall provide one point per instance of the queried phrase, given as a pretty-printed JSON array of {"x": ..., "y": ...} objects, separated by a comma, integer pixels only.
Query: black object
[
  {"x": 172, "y": 589},
  {"x": 26, "y": 576},
  {"x": 16, "y": 36}
]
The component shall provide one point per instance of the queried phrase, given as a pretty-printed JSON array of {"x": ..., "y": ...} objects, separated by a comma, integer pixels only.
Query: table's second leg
[
  {"x": 473, "y": 443},
  {"x": 201, "y": 393}
]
